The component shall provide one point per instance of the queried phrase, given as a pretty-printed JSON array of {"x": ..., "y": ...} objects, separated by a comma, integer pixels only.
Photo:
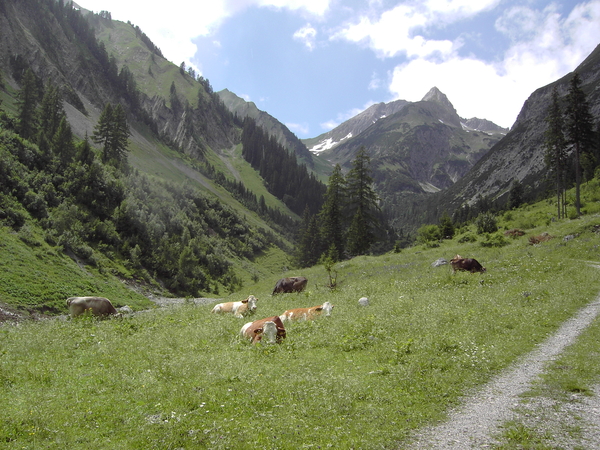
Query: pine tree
[
  {"x": 62, "y": 143},
  {"x": 331, "y": 215},
  {"x": 579, "y": 130},
  {"x": 27, "y": 99},
  {"x": 120, "y": 138},
  {"x": 556, "y": 148},
  {"x": 308, "y": 249},
  {"x": 362, "y": 204},
  {"x": 112, "y": 132},
  {"x": 51, "y": 112},
  {"x": 102, "y": 132}
]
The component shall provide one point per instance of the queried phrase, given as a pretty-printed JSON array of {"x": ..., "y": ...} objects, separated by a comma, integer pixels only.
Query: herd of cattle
[{"x": 269, "y": 329}]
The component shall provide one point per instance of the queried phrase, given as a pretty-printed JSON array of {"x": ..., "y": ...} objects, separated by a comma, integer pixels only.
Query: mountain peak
[{"x": 435, "y": 95}]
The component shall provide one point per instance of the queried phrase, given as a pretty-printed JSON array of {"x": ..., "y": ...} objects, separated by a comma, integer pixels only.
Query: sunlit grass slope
[{"x": 364, "y": 378}]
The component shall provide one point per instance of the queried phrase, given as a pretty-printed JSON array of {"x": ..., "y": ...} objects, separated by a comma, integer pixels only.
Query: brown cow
[
  {"x": 271, "y": 328},
  {"x": 307, "y": 313},
  {"x": 467, "y": 264},
  {"x": 98, "y": 306},
  {"x": 239, "y": 309},
  {"x": 290, "y": 284}
]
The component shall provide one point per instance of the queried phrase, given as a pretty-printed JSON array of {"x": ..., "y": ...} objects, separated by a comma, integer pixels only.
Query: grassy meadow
[{"x": 364, "y": 378}]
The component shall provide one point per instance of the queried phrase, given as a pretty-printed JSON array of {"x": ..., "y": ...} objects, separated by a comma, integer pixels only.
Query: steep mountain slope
[
  {"x": 274, "y": 127},
  {"x": 422, "y": 147},
  {"x": 354, "y": 126},
  {"x": 191, "y": 195},
  {"x": 520, "y": 155}
]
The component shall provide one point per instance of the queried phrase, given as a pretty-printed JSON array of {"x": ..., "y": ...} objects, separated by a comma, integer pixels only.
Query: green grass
[
  {"x": 37, "y": 277},
  {"x": 366, "y": 377}
]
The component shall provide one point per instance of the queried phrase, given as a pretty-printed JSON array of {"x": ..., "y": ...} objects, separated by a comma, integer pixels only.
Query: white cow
[
  {"x": 307, "y": 313},
  {"x": 239, "y": 309}
]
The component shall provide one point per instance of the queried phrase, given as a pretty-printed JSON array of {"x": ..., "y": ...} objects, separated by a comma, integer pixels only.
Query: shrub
[
  {"x": 428, "y": 234},
  {"x": 486, "y": 223},
  {"x": 494, "y": 240},
  {"x": 466, "y": 238}
]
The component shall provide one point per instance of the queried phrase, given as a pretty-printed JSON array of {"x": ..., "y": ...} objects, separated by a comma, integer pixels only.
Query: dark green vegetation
[
  {"x": 366, "y": 377},
  {"x": 150, "y": 203}
]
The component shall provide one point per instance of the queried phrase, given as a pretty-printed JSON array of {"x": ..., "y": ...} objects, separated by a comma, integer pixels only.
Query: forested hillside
[{"x": 138, "y": 176}]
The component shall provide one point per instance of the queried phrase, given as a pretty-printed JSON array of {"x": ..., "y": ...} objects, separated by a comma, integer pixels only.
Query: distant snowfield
[{"x": 327, "y": 144}]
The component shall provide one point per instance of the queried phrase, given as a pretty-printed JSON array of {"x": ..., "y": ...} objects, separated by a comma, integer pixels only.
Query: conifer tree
[
  {"x": 556, "y": 148},
  {"x": 51, "y": 111},
  {"x": 62, "y": 143},
  {"x": 112, "y": 132},
  {"x": 27, "y": 99},
  {"x": 362, "y": 204},
  {"x": 579, "y": 130},
  {"x": 308, "y": 249},
  {"x": 331, "y": 215}
]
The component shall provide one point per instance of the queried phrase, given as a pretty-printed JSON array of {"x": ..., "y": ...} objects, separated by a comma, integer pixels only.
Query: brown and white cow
[
  {"x": 270, "y": 329},
  {"x": 307, "y": 313},
  {"x": 98, "y": 306},
  {"x": 467, "y": 264},
  {"x": 239, "y": 309},
  {"x": 290, "y": 284}
]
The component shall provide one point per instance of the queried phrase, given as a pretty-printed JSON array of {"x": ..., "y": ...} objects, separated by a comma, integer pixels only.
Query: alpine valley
[{"x": 426, "y": 160}]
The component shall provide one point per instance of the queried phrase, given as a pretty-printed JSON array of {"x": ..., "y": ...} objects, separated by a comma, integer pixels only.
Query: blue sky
[{"x": 314, "y": 63}]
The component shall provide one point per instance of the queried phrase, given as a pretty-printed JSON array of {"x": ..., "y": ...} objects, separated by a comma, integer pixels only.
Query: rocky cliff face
[
  {"x": 270, "y": 124},
  {"x": 520, "y": 155},
  {"x": 31, "y": 36},
  {"x": 421, "y": 147}
]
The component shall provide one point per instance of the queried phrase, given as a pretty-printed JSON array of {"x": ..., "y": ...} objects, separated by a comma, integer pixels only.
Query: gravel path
[{"x": 476, "y": 421}]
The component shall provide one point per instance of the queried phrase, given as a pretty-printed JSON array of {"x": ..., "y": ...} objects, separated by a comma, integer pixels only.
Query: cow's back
[{"x": 99, "y": 306}]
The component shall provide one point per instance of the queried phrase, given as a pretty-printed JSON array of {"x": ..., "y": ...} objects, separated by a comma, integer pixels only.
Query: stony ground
[{"x": 574, "y": 424}]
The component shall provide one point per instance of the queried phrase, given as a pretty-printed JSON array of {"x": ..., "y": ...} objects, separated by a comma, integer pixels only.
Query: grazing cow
[
  {"x": 239, "y": 309},
  {"x": 290, "y": 284},
  {"x": 98, "y": 306},
  {"x": 307, "y": 313},
  {"x": 271, "y": 329},
  {"x": 467, "y": 264}
]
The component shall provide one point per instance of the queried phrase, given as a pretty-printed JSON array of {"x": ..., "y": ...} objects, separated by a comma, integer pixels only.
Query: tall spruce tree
[
  {"x": 331, "y": 218},
  {"x": 579, "y": 130},
  {"x": 26, "y": 101},
  {"x": 308, "y": 250},
  {"x": 112, "y": 132},
  {"x": 556, "y": 149},
  {"x": 362, "y": 204}
]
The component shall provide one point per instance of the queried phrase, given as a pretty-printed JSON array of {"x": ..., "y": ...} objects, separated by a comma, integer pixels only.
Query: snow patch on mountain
[{"x": 327, "y": 144}]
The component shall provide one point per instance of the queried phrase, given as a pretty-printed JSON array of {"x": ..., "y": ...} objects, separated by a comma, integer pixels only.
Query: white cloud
[
  {"x": 307, "y": 35},
  {"x": 342, "y": 117},
  {"x": 544, "y": 47},
  {"x": 401, "y": 29},
  {"x": 298, "y": 128},
  {"x": 173, "y": 25}
]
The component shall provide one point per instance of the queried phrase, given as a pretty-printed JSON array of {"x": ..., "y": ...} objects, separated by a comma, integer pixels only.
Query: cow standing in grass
[
  {"x": 98, "y": 306},
  {"x": 290, "y": 284}
]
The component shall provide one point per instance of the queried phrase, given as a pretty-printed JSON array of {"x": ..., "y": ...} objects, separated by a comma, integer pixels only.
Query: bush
[
  {"x": 494, "y": 240},
  {"x": 428, "y": 234},
  {"x": 466, "y": 238},
  {"x": 486, "y": 223}
]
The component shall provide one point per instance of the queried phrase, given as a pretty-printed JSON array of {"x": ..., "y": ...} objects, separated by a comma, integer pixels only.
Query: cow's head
[
  {"x": 456, "y": 258},
  {"x": 251, "y": 302},
  {"x": 268, "y": 333},
  {"x": 327, "y": 308}
]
